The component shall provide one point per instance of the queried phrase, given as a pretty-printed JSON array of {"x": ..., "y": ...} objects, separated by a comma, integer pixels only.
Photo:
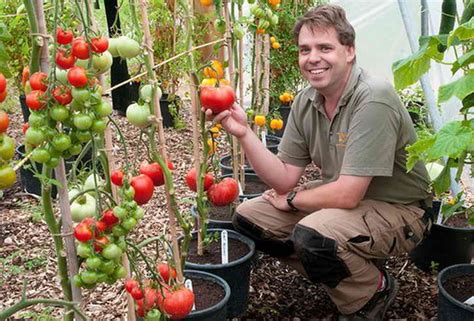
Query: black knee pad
[
  {"x": 318, "y": 254},
  {"x": 263, "y": 241}
]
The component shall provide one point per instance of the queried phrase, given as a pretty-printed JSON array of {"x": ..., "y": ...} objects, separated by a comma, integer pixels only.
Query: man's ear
[{"x": 350, "y": 50}]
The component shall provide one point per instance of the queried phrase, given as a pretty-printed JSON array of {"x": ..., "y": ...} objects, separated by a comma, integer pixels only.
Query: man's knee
[
  {"x": 264, "y": 239},
  {"x": 318, "y": 255}
]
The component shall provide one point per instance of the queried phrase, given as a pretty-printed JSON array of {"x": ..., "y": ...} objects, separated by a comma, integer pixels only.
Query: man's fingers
[{"x": 219, "y": 117}]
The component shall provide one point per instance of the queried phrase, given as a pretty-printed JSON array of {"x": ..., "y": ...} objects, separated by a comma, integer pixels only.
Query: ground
[{"x": 276, "y": 293}]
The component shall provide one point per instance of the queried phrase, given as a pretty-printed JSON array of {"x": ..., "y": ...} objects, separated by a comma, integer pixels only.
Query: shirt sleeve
[
  {"x": 372, "y": 141},
  {"x": 293, "y": 148}
]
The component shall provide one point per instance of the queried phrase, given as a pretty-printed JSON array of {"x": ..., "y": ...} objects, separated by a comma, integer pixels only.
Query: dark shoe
[{"x": 378, "y": 305}]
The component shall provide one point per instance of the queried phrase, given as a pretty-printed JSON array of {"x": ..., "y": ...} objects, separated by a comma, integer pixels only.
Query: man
[{"x": 367, "y": 206}]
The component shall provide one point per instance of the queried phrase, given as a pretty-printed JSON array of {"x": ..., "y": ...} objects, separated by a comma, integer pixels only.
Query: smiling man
[{"x": 366, "y": 206}]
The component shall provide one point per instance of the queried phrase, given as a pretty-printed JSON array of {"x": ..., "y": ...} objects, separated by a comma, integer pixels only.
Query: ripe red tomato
[
  {"x": 64, "y": 59},
  {"x": 62, "y": 94},
  {"x": 24, "y": 128},
  {"x": 109, "y": 218},
  {"x": 36, "y": 100},
  {"x": 143, "y": 186},
  {"x": 154, "y": 171},
  {"x": 178, "y": 304},
  {"x": 117, "y": 177},
  {"x": 64, "y": 37},
  {"x": 39, "y": 81},
  {"x": 83, "y": 232},
  {"x": 100, "y": 227},
  {"x": 166, "y": 271},
  {"x": 150, "y": 298},
  {"x": 3, "y": 83},
  {"x": 99, "y": 44},
  {"x": 80, "y": 48},
  {"x": 136, "y": 293},
  {"x": 77, "y": 76},
  {"x": 191, "y": 180},
  {"x": 3, "y": 95},
  {"x": 130, "y": 284},
  {"x": 4, "y": 121},
  {"x": 217, "y": 99},
  {"x": 224, "y": 192}
]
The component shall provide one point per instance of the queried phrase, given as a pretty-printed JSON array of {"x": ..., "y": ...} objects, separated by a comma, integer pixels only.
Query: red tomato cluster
[
  {"x": 7, "y": 151},
  {"x": 176, "y": 302},
  {"x": 219, "y": 194},
  {"x": 151, "y": 175}
]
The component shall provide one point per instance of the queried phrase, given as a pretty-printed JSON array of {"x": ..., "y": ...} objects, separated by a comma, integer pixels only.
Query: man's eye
[
  {"x": 304, "y": 51},
  {"x": 325, "y": 49}
]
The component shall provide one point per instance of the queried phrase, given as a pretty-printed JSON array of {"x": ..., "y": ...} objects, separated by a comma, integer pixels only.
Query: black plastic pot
[
  {"x": 272, "y": 143},
  {"x": 284, "y": 113},
  {"x": 444, "y": 246},
  {"x": 227, "y": 169},
  {"x": 165, "y": 103},
  {"x": 25, "y": 111},
  {"x": 217, "y": 312},
  {"x": 32, "y": 184},
  {"x": 448, "y": 307},
  {"x": 236, "y": 274},
  {"x": 226, "y": 225}
]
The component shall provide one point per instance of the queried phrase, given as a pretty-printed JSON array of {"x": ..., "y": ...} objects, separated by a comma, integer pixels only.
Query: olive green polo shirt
[{"x": 366, "y": 137}]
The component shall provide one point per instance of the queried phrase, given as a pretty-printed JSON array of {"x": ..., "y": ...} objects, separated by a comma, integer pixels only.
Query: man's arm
[
  {"x": 280, "y": 176},
  {"x": 346, "y": 192}
]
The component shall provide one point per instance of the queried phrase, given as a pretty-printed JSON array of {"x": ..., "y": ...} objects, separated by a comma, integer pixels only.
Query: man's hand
[
  {"x": 233, "y": 120},
  {"x": 277, "y": 200}
]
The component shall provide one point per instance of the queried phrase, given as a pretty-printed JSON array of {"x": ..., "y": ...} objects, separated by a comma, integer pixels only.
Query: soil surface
[
  {"x": 255, "y": 187},
  {"x": 461, "y": 287},
  {"x": 28, "y": 260},
  {"x": 213, "y": 252},
  {"x": 206, "y": 293}
]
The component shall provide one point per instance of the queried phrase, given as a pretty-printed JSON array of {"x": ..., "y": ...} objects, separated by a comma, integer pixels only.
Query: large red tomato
[
  {"x": 99, "y": 44},
  {"x": 191, "y": 180},
  {"x": 154, "y": 171},
  {"x": 217, "y": 99},
  {"x": 62, "y": 94},
  {"x": 3, "y": 83},
  {"x": 38, "y": 81},
  {"x": 36, "y": 100},
  {"x": 80, "y": 48},
  {"x": 224, "y": 192},
  {"x": 143, "y": 186},
  {"x": 166, "y": 271},
  {"x": 178, "y": 304}
]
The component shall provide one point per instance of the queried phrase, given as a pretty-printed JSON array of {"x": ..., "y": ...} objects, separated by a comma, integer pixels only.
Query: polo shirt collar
[{"x": 313, "y": 95}]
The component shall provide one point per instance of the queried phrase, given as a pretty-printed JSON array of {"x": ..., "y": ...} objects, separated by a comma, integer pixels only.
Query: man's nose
[{"x": 314, "y": 56}]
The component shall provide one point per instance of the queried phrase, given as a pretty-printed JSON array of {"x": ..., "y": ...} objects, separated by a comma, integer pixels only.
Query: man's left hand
[{"x": 277, "y": 200}]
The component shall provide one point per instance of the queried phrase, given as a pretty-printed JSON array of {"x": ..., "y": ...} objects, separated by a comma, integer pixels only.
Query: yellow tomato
[
  {"x": 224, "y": 82},
  {"x": 212, "y": 146},
  {"x": 259, "y": 120},
  {"x": 215, "y": 131},
  {"x": 209, "y": 82},
  {"x": 218, "y": 126},
  {"x": 274, "y": 3},
  {"x": 276, "y": 124},
  {"x": 215, "y": 70},
  {"x": 272, "y": 39},
  {"x": 276, "y": 45},
  {"x": 206, "y": 3},
  {"x": 286, "y": 98}
]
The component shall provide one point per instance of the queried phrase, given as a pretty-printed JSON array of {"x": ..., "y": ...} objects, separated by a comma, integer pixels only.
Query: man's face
[{"x": 323, "y": 60}]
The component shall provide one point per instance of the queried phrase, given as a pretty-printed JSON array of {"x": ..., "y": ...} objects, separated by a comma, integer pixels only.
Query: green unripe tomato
[
  {"x": 108, "y": 266},
  {"x": 34, "y": 136},
  {"x": 80, "y": 95},
  {"x": 117, "y": 230},
  {"x": 113, "y": 47},
  {"x": 82, "y": 121},
  {"x": 103, "y": 109},
  {"x": 139, "y": 213},
  {"x": 99, "y": 126},
  {"x": 138, "y": 114},
  {"x": 61, "y": 142},
  {"x": 76, "y": 280},
  {"x": 84, "y": 250},
  {"x": 111, "y": 251},
  {"x": 129, "y": 223},
  {"x": 53, "y": 162},
  {"x": 59, "y": 113},
  {"x": 7, "y": 147},
  {"x": 94, "y": 262},
  {"x": 75, "y": 149},
  {"x": 83, "y": 136},
  {"x": 119, "y": 272},
  {"x": 40, "y": 155},
  {"x": 36, "y": 120},
  {"x": 120, "y": 212},
  {"x": 88, "y": 277},
  {"x": 127, "y": 48}
]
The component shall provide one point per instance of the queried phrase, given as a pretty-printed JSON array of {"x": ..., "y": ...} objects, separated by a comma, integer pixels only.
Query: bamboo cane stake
[
  {"x": 241, "y": 98},
  {"x": 266, "y": 74},
  {"x": 60, "y": 171},
  {"x": 108, "y": 91},
  {"x": 112, "y": 165},
  {"x": 161, "y": 137}
]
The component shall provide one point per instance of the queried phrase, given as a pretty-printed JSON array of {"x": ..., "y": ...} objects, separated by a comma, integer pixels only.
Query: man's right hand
[{"x": 233, "y": 120}]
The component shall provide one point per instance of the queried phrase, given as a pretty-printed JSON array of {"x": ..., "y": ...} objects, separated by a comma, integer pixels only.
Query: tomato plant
[{"x": 217, "y": 99}]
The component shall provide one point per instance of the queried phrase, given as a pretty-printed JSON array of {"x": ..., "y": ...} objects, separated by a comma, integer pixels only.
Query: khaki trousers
[{"x": 373, "y": 230}]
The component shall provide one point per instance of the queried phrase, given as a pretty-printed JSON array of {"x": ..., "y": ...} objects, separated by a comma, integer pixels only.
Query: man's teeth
[{"x": 317, "y": 71}]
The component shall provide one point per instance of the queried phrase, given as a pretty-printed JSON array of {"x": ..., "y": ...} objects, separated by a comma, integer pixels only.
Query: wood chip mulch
[{"x": 277, "y": 293}]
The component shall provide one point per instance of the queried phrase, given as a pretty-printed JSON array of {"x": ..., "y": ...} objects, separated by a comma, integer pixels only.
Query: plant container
[
  {"x": 236, "y": 273},
  {"x": 284, "y": 113},
  {"x": 222, "y": 223},
  {"x": 456, "y": 285}
]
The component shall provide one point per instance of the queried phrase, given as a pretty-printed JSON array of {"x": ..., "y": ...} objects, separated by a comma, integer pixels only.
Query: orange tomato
[
  {"x": 276, "y": 124},
  {"x": 206, "y": 3},
  {"x": 276, "y": 45},
  {"x": 259, "y": 120},
  {"x": 260, "y": 31}
]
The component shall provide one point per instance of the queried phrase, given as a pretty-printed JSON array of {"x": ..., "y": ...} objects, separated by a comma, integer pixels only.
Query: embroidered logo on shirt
[{"x": 341, "y": 139}]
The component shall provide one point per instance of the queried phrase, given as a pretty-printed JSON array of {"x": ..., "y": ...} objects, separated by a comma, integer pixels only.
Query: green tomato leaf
[
  {"x": 451, "y": 141},
  {"x": 459, "y": 88},
  {"x": 462, "y": 32},
  {"x": 4, "y": 69}
]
